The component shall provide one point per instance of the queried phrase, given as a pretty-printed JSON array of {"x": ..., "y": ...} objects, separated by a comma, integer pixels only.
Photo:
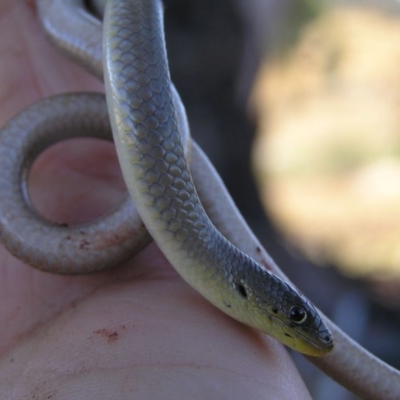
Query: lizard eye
[{"x": 298, "y": 314}]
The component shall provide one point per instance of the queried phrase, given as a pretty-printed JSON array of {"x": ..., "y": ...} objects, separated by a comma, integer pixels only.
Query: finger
[{"x": 30, "y": 68}]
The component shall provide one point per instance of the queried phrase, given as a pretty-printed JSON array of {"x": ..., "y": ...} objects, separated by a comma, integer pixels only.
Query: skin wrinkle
[
  {"x": 221, "y": 371},
  {"x": 78, "y": 162},
  {"x": 12, "y": 61},
  {"x": 68, "y": 159}
]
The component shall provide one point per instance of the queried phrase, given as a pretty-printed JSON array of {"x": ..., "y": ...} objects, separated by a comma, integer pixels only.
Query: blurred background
[{"x": 297, "y": 103}]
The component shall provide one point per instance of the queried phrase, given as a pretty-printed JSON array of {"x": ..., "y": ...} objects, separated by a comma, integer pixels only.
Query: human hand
[{"x": 135, "y": 331}]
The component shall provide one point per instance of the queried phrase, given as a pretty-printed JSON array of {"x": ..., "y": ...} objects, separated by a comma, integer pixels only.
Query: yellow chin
[
  {"x": 309, "y": 348},
  {"x": 302, "y": 344}
]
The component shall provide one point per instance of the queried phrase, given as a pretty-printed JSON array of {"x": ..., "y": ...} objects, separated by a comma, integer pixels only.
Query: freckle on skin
[
  {"x": 84, "y": 244},
  {"x": 108, "y": 334}
]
